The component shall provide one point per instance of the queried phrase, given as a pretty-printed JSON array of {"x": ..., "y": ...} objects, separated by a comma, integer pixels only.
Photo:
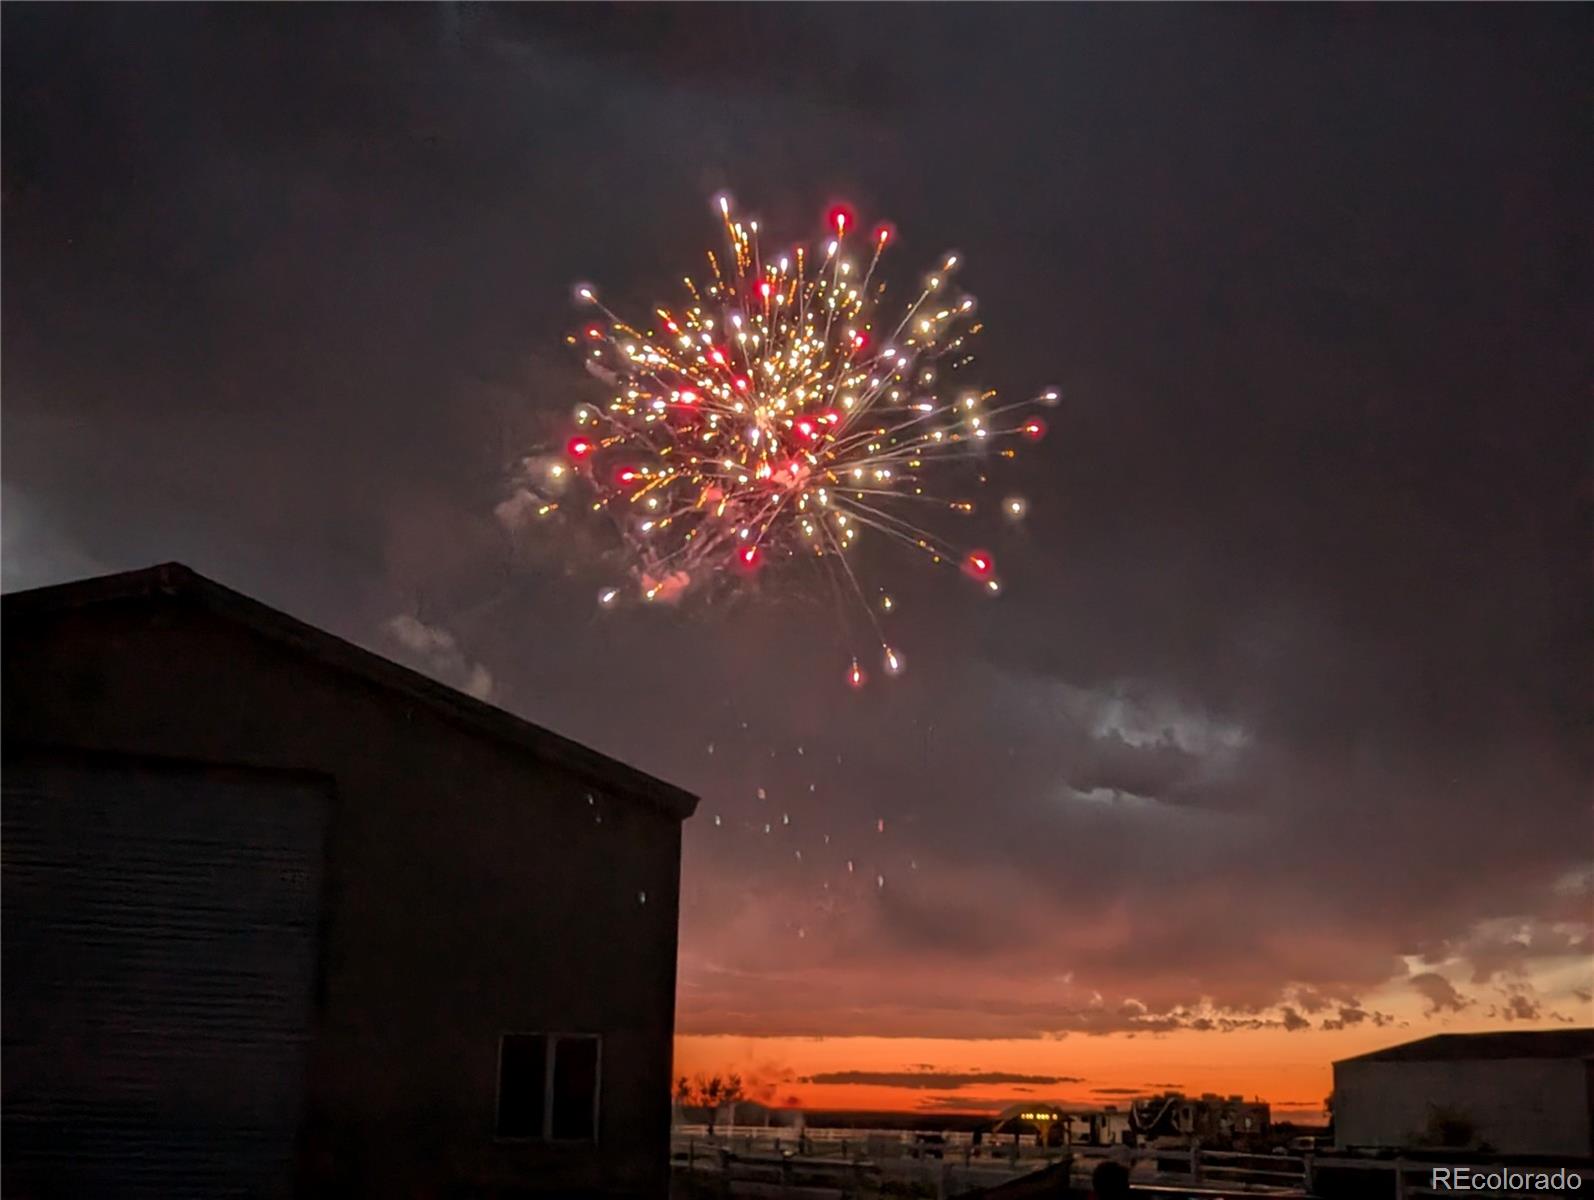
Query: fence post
[
  {"x": 858, "y": 1174},
  {"x": 691, "y": 1154},
  {"x": 1400, "y": 1179},
  {"x": 1306, "y": 1171},
  {"x": 1195, "y": 1163}
]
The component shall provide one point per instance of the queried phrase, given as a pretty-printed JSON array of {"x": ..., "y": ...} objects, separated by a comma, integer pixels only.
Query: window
[
  {"x": 522, "y": 1085},
  {"x": 548, "y": 1086}
]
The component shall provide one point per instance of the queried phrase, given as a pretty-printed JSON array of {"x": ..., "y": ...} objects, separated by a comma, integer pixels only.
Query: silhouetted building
[
  {"x": 1515, "y": 1093},
  {"x": 1209, "y": 1118},
  {"x": 282, "y": 917}
]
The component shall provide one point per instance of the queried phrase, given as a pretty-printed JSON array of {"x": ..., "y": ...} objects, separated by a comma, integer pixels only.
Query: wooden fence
[{"x": 843, "y": 1164}]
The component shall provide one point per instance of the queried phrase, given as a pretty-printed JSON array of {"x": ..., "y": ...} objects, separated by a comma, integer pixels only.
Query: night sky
[{"x": 1276, "y": 748}]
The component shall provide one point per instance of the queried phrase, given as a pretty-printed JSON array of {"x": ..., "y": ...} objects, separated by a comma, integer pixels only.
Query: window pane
[
  {"x": 575, "y": 1086},
  {"x": 522, "y": 1083}
]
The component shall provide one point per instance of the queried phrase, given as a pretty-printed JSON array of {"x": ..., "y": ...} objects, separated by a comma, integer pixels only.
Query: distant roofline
[
  {"x": 1496, "y": 1044},
  {"x": 174, "y": 582}
]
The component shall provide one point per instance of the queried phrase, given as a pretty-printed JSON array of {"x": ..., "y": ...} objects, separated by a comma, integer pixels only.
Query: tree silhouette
[{"x": 709, "y": 1092}]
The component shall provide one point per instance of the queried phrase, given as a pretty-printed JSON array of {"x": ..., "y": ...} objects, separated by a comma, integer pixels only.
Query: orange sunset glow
[{"x": 1288, "y": 1067}]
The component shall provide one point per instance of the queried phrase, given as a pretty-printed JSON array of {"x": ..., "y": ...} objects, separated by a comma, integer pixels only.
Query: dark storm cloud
[
  {"x": 1351, "y": 1016},
  {"x": 961, "y": 1104},
  {"x": 935, "y": 1080},
  {"x": 1503, "y": 948},
  {"x": 1289, "y": 683},
  {"x": 1440, "y": 993},
  {"x": 1160, "y": 769},
  {"x": 1519, "y": 1006}
]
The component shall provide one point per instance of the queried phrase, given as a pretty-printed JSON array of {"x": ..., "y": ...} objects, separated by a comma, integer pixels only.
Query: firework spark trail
[{"x": 766, "y": 419}]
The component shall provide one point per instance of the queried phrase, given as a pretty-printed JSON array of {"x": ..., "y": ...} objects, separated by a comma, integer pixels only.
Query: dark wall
[{"x": 472, "y": 890}]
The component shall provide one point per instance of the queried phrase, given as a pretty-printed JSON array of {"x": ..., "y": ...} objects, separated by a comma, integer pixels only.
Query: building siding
[
  {"x": 470, "y": 890},
  {"x": 1517, "y": 1106}
]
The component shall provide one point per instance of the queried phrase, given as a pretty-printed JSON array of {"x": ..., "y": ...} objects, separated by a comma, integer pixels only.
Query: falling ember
[
  {"x": 978, "y": 564},
  {"x": 782, "y": 407}
]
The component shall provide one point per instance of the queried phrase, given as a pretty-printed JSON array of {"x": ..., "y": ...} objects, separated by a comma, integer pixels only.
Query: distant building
[
  {"x": 1208, "y": 1118},
  {"x": 284, "y": 918},
  {"x": 1059, "y": 1125},
  {"x": 1515, "y": 1093}
]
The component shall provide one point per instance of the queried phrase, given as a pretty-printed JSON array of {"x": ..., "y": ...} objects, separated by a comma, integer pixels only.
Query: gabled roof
[
  {"x": 178, "y": 586},
  {"x": 1451, "y": 1047}
]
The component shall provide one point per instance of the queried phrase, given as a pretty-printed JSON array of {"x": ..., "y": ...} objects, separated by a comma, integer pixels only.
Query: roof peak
[
  {"x": 175, "y": 582},
  {"x": 1492, "y": 1044}
]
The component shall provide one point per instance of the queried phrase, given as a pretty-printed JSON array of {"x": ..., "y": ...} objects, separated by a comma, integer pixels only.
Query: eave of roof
[
  {"x": 1491, "y": 1045},
  {"x": 178, "y": 584}
]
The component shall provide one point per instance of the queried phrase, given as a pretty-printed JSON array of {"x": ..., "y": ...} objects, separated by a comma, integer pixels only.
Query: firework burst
[{"x": 777, "y": 414}]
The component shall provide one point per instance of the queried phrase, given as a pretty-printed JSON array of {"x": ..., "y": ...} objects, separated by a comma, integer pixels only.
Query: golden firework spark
[{"x": 777, "y": 414}]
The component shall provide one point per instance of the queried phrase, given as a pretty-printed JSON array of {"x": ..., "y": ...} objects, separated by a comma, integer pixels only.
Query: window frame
[{"x": 550, "y": 1051}]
